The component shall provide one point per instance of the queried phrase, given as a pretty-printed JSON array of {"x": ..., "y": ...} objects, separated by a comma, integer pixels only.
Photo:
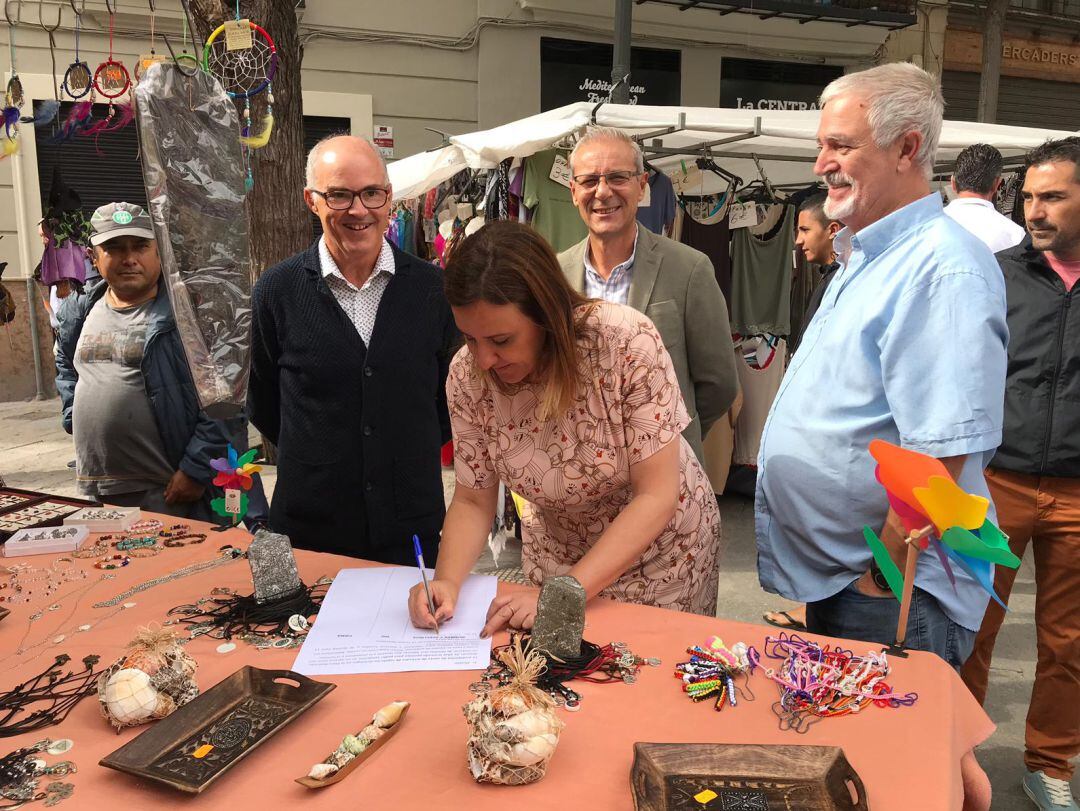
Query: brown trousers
[{"x": 1045, "y": 513}]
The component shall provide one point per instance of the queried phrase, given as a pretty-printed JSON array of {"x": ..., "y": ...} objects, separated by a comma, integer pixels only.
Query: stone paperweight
[
  {"x": 273, "y": 567},
  {"x": 560, "y": 617}
]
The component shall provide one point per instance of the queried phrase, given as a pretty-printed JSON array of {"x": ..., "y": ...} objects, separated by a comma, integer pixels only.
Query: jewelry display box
[
  {"x": 27, "y": 509},
  {"x": 45, "y": 541},
  {"x": 105, "y": 519}
]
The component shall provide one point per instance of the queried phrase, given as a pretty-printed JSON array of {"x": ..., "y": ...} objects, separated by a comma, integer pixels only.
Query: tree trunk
[
  {"x": 990, "y": 79},
  {"x": 279, "y": 224}
]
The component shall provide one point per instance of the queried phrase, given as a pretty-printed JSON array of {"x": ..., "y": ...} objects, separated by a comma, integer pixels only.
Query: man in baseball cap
[{"x": 128, "y": 397}]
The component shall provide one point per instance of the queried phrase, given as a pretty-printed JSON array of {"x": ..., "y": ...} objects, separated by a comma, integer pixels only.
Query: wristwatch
[{"x": 878, "y": 577}]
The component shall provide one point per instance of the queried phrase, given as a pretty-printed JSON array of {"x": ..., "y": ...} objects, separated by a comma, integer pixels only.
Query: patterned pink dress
[{"x": 574, "y": 469}]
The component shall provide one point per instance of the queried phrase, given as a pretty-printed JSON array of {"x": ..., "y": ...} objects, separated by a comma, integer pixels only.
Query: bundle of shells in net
[
  {"x": 513, "y": 730},
  {"x": 154, "y": 678}
]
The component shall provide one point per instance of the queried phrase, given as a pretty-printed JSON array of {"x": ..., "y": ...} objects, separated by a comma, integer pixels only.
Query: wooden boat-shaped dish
[
  {"x": 351, "y": 766},
  {"x": 194, "y": 746}
]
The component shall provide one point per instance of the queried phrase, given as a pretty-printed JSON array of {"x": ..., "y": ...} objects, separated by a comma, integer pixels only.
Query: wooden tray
[
  {"x": 35, "y": 499},
  {"x": 350, "y": 767},
  {"x": 194, "y": 746}
]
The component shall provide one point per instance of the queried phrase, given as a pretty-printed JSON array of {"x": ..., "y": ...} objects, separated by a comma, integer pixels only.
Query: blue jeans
[{"x": 850, "y": 614}]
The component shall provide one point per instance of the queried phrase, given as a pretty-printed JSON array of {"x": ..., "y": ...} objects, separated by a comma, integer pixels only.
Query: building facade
[{"x": 411, "y": 71}]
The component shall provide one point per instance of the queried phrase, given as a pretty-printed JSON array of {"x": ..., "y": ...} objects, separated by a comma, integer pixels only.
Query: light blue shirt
[
  {"x": 909, "y": 346},
  {"x": 616, "y": 287}
]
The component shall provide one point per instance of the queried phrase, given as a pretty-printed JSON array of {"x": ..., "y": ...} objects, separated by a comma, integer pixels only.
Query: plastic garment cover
[
  {"x": 193, "y": 171},
  {"x": 64, "y": 261}
]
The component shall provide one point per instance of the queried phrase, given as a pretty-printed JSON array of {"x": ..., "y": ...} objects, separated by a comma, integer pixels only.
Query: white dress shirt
[
  {"x": 983, "y": 220},
  {"x": 361, "y": 304},
  {"x": 616, "y": 287}
]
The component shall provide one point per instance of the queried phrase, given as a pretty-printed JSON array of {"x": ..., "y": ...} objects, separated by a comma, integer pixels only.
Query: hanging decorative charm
[
  {"x": 155, "y": 677},
  {"x": 21, "y": 770},
  {"x": 245, "y": 61},
  {"x": 111, "y": 79},
  {"x": 78, "y": 81},
  {"x": 13, "y": 98}
]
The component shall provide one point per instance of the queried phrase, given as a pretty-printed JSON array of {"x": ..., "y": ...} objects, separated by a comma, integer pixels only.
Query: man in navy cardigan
[{"x": 351, "y": 343}]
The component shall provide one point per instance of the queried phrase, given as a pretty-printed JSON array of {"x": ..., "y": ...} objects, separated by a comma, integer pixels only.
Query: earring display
[
  {"x": 105, "y": 519},
  {"x": 27, "y": 509},
  {"x": 50, "y": 540}
]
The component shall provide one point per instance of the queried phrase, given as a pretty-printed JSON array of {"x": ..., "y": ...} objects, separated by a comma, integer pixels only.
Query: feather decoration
[
  {"x": 263, "y": 138},
  {"x": 11, "y": 121},
  {"x": 76, "y": 121},
  {"x": 8, "y": 147},
  {"x": 46, "y": 114},
  {"x": 101, "y": 125},
  {"x": 126, "y": 115}
]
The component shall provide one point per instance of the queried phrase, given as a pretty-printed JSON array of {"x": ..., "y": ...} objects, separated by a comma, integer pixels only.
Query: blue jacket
[{"x": 190, "y": 438}]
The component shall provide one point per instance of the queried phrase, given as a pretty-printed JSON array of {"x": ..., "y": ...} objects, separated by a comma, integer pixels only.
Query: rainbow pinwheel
[
  {"x": 937, "y": 515},
  {"x": 234, "y": 476}
]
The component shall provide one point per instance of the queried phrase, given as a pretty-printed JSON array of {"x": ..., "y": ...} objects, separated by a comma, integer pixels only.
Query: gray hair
[
  {"x": 320, "y": 147},
  {"x": 594, "y": 133},
  {"x": 901, "y": 98}
]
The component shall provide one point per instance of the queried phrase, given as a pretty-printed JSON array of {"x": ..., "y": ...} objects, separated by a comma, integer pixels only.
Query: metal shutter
[
  {"x": 1021, "y": 102},
  {"x": 115, "y": 173}
]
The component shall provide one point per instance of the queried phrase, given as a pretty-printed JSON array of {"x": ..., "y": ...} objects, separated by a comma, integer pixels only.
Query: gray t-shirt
[{"x": 118, "y": 448}]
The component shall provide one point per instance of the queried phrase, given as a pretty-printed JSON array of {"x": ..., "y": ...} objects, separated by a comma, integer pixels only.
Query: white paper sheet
[{"x": 363, "y": 627}]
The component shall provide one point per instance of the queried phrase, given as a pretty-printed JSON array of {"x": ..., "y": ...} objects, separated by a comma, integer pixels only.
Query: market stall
[{"x": 895, "y": 750}]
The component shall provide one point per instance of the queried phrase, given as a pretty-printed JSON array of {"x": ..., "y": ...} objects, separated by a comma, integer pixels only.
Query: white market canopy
[{"x": 784, "y": 142}]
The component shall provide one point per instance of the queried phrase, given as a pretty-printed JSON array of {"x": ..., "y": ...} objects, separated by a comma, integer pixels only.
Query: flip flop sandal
[{"x": 792, "y": 624}]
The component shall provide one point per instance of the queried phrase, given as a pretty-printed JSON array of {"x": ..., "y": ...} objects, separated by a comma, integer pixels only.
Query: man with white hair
[
  {"x": 673, "y": 284},
  {"x": 351, "y": 344},
  {"x": 909, "y": 346}
]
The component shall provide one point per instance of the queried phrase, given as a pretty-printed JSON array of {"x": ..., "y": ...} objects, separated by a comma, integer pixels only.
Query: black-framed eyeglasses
[
  {"x": 616, "y": 180},
  {"x": 342, "y": 199}
]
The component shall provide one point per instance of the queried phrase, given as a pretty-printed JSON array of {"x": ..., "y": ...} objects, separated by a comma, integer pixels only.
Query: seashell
[
  {"x": 353, "y": 745},
  {"x": 525, "y": 725},
  {"x": 129, "y": 697},
  {"x": 371, "y": 733},
  {"x": 339, "y": 757},
  {"x": 320, "y": 771},
  {"x": 389, "y": 715}
]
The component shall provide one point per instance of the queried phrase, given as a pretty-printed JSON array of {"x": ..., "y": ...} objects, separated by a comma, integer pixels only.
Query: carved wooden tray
[{"x": 194, "y": 746}]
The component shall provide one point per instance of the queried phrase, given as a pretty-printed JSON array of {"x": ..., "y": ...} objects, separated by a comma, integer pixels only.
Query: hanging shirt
[
  {"x": 980, "y": 218},
  {"x": 616, "y": 287},
  {"x": 908, "y": 346},
  {"x": 660, "y": 213},
  {"x": 761, "y": 278},
  {"x": 361, "y": 304},
  {"x": 554, "y": 214}
]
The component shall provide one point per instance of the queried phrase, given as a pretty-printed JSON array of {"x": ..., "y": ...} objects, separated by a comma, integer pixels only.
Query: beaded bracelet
[
  {"x": 175, "y": 530},
  {"x": 144, "y": 551},
  {"x": 97, "y": 549},
  {"x": 147, "y": 525},
  {"x": 184, "y": 540},
  {"x": 135, "y": 543},
  {"x": 113, "y": 562}
]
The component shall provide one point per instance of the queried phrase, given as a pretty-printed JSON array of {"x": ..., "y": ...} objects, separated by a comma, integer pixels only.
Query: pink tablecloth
[{"x": 908, "y": 758}]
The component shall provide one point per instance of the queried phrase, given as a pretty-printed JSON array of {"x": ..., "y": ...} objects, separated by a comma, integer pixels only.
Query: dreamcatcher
[
  {"x": 146, "y": 60},
  {"x": 244, "y": 60},
  {"x": 78, "y": 81},
  {"x": 111, "y": 79},
  {"x": 13, "y": 97}
]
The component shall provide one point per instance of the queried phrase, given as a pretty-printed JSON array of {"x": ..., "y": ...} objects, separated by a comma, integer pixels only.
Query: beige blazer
[{"x": 674, "y": 285}]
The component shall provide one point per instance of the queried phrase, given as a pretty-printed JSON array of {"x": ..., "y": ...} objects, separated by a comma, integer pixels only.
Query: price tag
[
  {"x": 238, "y": 35},
  {"x": 232, "y": 502},
  {"x": 146, "y": 60},
  {"x": 742, "y": 215},
  {"x": 560, "y": 171}
]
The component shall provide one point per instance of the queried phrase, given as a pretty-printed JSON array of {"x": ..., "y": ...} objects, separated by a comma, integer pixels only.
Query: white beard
[{"x": 841, "y": 211}]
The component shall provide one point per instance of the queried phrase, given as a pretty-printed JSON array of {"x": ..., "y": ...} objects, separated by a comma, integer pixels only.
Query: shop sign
[{"x": 572, "y": 71}]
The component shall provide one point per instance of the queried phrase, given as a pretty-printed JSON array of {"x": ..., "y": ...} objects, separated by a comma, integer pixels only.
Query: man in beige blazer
[{"x": 671, "y": 283}]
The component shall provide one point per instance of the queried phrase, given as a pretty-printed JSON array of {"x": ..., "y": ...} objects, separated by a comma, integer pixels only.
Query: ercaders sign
[{"x": 1033, "y": 59}]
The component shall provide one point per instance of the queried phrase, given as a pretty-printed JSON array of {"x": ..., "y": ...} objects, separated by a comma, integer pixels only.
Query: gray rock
[
  {"x": 560, "y": 617},
  {"x": 273, "y": 567}
]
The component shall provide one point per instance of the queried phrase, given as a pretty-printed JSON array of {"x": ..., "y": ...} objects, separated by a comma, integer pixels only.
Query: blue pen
[{"x": 423, "y": 574}]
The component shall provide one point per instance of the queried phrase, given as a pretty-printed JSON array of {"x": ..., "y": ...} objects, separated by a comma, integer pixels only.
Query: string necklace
[{"x": 228, "y": 555}]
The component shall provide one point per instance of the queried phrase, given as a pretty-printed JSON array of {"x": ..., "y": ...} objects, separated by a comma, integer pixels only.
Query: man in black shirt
[{"x": 814, "y": 234}]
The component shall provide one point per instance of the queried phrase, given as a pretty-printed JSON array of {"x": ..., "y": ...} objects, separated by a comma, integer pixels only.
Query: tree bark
[
  {"x": 279, "y": 224},
  {"x": 990, "y": 79}
]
